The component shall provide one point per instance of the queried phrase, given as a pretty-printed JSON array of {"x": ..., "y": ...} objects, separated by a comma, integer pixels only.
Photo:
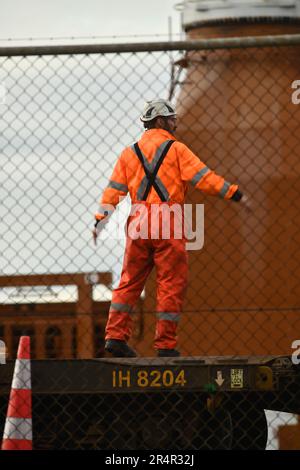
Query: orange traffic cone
[{"x": 18, "y": 425}]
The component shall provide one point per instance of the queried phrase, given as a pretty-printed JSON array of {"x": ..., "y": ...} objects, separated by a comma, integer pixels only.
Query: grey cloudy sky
[
  {"x": 81, "y": 18},
  {"x": 50, "y": 103}
]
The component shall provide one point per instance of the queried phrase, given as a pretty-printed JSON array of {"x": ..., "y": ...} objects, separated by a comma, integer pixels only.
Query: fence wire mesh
[{"x": 64, "y": 120}]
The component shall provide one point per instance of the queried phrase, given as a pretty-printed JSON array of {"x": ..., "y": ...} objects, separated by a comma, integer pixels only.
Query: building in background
[{"x": 64, "y": 314}]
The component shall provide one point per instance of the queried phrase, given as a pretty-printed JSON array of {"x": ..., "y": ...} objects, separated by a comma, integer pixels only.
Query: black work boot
[
  {"x": 168, "y": 353},
  {"x": 119, "y": 348}
]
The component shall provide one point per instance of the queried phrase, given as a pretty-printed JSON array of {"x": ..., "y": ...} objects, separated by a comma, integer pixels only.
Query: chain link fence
[{"x": 66, "y": 114}]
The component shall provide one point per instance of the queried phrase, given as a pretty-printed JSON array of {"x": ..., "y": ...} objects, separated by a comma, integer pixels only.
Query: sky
[
  {"x": 82, "y": 18},
  {"x": 49, "y": 104}
]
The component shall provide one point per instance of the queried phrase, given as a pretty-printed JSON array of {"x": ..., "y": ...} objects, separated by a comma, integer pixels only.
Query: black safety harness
[{"x": 151, "y": 176}]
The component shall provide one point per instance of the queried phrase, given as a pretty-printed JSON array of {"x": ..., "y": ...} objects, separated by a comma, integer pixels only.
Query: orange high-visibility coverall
[{"x": 169, "y": 256}]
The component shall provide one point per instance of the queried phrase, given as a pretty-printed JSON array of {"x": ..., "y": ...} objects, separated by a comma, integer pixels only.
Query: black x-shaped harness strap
[{"x": 151, "y": 176}]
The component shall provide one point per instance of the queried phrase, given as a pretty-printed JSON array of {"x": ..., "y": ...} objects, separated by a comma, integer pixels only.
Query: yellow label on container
[
  {"x": 144, "y": 378},
  {"x": 236, "y": 378}
]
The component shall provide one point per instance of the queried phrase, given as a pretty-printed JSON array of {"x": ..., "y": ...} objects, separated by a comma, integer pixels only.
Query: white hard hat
[{"x": 155, "y": 108}]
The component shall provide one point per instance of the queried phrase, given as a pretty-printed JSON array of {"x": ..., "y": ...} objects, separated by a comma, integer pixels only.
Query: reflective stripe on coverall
[{"x": 169, "y": 256}]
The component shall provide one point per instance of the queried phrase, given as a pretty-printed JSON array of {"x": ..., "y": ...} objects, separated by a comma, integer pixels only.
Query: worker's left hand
[
  {"x": 95, "y": 235},
  {"x": 98, "y": 229}
]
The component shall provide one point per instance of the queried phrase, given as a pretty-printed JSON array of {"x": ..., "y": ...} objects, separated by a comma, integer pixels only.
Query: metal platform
[
  {"x": 198, "y": 402},
  {"x": 119, "y": 375}
]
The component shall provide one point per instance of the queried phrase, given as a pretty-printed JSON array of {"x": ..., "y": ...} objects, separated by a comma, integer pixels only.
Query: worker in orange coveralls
[{"x": 155, "y": 171}]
